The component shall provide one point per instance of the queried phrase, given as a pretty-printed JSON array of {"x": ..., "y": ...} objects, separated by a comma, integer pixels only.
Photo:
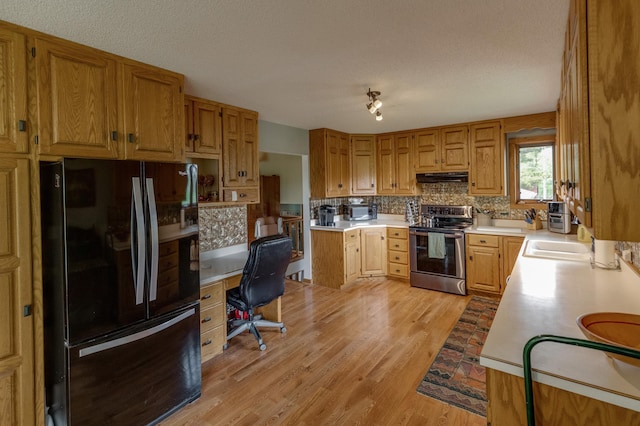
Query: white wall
[
  {"x": 294, "y": 143},
  {"x": 289, "y": 168}
]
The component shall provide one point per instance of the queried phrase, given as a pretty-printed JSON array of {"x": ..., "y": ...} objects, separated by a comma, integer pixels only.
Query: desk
[{"x": 219, "y": 273}]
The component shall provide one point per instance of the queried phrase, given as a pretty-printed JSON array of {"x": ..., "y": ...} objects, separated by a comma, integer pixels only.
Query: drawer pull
[
  {"x": 397, "y": 245},
  {"x": 206, "y": 342},
  {"x": 207, "y": 319},
  {"x": 483, "y": 241},
  {"x": 206, "y": 296},
  {"x": 397, "y": 258}
]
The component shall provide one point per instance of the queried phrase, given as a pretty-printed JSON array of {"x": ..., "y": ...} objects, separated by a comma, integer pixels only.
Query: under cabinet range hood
[{"x": 442, "y": 177}]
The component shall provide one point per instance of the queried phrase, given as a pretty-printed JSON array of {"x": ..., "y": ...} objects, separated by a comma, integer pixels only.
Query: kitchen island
[{"x": 574, "y": 385}]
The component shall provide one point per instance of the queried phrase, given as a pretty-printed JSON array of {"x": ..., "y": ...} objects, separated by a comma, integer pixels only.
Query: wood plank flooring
[{"x": 349, "y": 357}]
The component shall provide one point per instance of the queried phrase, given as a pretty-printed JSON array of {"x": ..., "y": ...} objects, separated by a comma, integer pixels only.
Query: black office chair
[{"x": 262, "y": 282}]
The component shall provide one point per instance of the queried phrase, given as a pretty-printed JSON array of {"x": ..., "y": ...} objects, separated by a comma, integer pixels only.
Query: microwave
[
  {"x": 558, "y": 218},
  {"x": 360, "y": 212}
]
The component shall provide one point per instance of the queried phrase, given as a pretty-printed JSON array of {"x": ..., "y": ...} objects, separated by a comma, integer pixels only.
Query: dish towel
[{"x": 437, "y": 249}]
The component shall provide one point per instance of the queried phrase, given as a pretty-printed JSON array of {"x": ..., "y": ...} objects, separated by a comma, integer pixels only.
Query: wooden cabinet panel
[
  {"x": 17, "y": 375},
  {"x": 241, "y": 166},
  {"x": 13, "y": 93},
  {"x": 510, "y": 250},
  {"x": 395, "y": 171},
  {"x": 77, "y": 100},
  {"x": 330, "y": 174},
  {"x": 427, "y": 150},
  {"x": 213, "y": 319},
  {"x": 203, "y": 131},
  {"x": 328, "y": 260},
  {"x": 386, "y": 164},
  {"x": 363, "y": 164},
  {"x": 188, "y": 125},
  {"x": 483, "y": 268},
  {"x": 454, "y": 142},
  {"x": 373, "y": 249},
  {"x": 405, "y": 172},
  {"x": 486, "y": 171},
  {"x": 153, "y": 106}
]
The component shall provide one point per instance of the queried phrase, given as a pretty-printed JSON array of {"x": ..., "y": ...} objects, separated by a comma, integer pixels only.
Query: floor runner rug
[{"x": 456, "y": 377}]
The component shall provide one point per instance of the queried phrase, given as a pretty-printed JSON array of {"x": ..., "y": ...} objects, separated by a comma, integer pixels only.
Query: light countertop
[
  {"x": 217, "y": 265},
  {"x": 391, "y": 220},
  {"x": 546, "y": 296}
]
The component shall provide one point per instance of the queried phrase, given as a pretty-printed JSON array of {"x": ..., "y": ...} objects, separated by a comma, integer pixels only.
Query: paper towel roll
[{"x": 604, "y": 253}]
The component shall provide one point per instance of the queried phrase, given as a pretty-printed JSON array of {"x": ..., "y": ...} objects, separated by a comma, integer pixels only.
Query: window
[{"x": 531, "y": 170}]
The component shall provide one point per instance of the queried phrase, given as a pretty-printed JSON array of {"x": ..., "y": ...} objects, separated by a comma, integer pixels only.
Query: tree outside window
[{"x": 531, "y": 170}]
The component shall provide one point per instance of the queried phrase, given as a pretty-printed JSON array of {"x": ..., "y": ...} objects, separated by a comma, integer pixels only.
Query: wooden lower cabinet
[
  {"x": 213, "y": 319},
  {"x": 553, "y": 406},
  {"x": 398, "y": 252},
  {"x": 373, "y": 251},
  {"x": 490, "y": 260},
  {"x": 17, "y": 366}
]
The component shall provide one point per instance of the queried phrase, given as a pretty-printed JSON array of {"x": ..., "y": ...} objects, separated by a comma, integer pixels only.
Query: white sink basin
[{"x": 559, "y": 250}]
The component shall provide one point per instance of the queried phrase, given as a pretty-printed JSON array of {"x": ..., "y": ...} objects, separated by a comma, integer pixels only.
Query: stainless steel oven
[{"x": 436, "y": 248}]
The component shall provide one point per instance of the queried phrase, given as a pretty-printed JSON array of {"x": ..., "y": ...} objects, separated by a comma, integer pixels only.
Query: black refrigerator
[{"x": 120, "y": 290}]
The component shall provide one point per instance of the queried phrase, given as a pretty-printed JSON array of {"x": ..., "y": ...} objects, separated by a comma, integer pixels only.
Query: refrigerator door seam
[
  {"x": 155, "y": 246},
  {"x": 139, "y": 266},
  {"x": 136, "y": 336}
]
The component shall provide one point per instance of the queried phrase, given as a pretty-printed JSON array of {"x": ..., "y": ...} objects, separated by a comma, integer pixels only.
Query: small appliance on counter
[
  {"x": 558, "y": 217},
  {"x": 326, "y": 215},
  {"x": 360, "y": 212}
]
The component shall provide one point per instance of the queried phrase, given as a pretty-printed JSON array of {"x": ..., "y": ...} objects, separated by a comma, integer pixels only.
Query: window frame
[{"x": 514, "y": 166}]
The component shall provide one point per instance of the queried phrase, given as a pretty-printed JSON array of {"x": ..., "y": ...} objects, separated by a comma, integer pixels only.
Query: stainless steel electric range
[{"x": 436, "y": 248}]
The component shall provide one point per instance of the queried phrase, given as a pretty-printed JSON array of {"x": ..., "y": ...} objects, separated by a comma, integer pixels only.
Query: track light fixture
[{"x": 374, "y": 104}]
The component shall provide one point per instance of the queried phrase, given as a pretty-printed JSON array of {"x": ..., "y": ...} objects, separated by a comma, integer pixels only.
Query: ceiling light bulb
[
  {"x": 378, "y": 116},
  {"x": 372, "y": 108},
  {"x": 377, "y": 103}
]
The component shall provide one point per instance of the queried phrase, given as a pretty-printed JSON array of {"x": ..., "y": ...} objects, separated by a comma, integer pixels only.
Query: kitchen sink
[{"x": 559, "y": 250}]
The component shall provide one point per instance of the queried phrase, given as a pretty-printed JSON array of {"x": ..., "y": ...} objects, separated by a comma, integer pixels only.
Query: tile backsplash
[
  {"x": 222, "y": 226},
  {"x": 450, "y": 193}
]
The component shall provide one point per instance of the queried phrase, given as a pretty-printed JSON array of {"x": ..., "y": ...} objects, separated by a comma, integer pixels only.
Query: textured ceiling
[{"x": 309, "y": 63}]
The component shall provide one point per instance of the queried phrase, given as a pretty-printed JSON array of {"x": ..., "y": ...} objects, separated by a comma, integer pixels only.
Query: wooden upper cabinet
[
  {"x": 240, "y": 148},
  {"x": 363, "y": 164},
  {"x": 454, "y": 148},
  {"x": 427, "y": 150},
  {"x": 153, "y": 108},
  {"x": 77, "y": 90},
  {"x": 486, "y": 171},
  {"x": 330, "y": 174},
  {"x": 13, "y": 93},
  {"x": 203, "y": 132},
  {"x": 17, "y": 365},
  {"x": 395, "y": 171}
]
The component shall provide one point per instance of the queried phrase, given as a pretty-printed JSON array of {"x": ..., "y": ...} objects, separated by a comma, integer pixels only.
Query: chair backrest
[{"x": 264, "y": 273}]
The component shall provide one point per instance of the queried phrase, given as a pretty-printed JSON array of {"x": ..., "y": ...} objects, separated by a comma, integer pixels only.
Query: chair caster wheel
[
  {"x": 263, "y": 347},
  {"x": 283, "y": 330},
  {"x": 225, "y": 346}
]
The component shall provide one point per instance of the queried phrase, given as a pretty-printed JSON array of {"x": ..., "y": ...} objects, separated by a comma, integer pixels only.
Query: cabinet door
[
  {"x": 405, "y": 174},
  {"x": 153, "y": 105},
  {"x": 510, "y": 250},
  {"x": 487, "y": 159},
  {"x": 249, "y": 149},
  {"x": 16, "y": 329},
  {"x": 363, "y": 165},
  {"x": 427, "y": 150},
  {"x": 373, "y": 248},
  {"x": 231, "y": 140},
  {"x": 454, "y": 148},
  {"x": 337, "y": 173},
  {"x": 483, "y": 268},
  {"x": 13, "y": 93},
  {"x": 188, "y": 126},
  {"x": 207, "y": 127},
  {"x": 386, "y": 170},
  {"x": 77, "y": 101},
  {"x": 351, "y": 255}
]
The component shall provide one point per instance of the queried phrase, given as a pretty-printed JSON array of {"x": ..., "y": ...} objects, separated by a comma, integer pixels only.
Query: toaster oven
[{"x": 558, "y": 217}]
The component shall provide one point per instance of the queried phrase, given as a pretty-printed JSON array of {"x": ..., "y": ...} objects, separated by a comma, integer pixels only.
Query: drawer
[
  {"x": 212, "y": 342},
  {"x": 397, "y": 244},
  {"x": 212, "y": 317},
  {"x": 402, "y": 233},
  {"x": 211, "y": 294},
  {"x": 351, "y": 235},
  {"x": 244, "y": 195},
  {"x": 170, "y": 247},
  {"x": 398, "y": 270},
  {"x": 233, "y": 282},
  {"x": 401, "y": 257},
  {"x": 483, "y": 240}
]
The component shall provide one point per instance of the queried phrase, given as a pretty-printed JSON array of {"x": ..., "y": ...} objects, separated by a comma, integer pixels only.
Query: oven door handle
[{"x": 425, "y": 234}]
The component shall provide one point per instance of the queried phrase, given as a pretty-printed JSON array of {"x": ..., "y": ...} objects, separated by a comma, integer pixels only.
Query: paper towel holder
[{"x": 612, "y": 264}]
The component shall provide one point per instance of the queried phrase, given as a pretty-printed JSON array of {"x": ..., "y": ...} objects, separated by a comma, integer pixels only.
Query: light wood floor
[{"x": 350, "y": 356}]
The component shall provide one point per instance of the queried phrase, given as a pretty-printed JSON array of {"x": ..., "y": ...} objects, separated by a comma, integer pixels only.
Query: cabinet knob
[
  {"x": 131, "y": 138},
  {"x": 470, "y": 257},
  {"x": 436, "y": 161},
  {"x": 22, "y": 126},
  {"x": 206, "y": 296},
  {"x": 483, "y": 241},
  {"x": 196, "y": 137},
  {"x": 207, "y": 319},
  {"x": 473, "y": 184},
  {"x": 114, "y": 136},
  {"x": 206, "y": 342}
]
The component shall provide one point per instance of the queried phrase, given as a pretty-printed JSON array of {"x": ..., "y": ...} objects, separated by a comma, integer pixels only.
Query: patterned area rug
[{"x": 456, "y": 377}]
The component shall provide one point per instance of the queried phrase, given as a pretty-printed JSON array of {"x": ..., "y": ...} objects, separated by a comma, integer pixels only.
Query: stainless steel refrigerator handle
[
  {"x": 155, "y": 241},
  {"x": 89, "y": 350},
  {"x": 139, "y": 266}
]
